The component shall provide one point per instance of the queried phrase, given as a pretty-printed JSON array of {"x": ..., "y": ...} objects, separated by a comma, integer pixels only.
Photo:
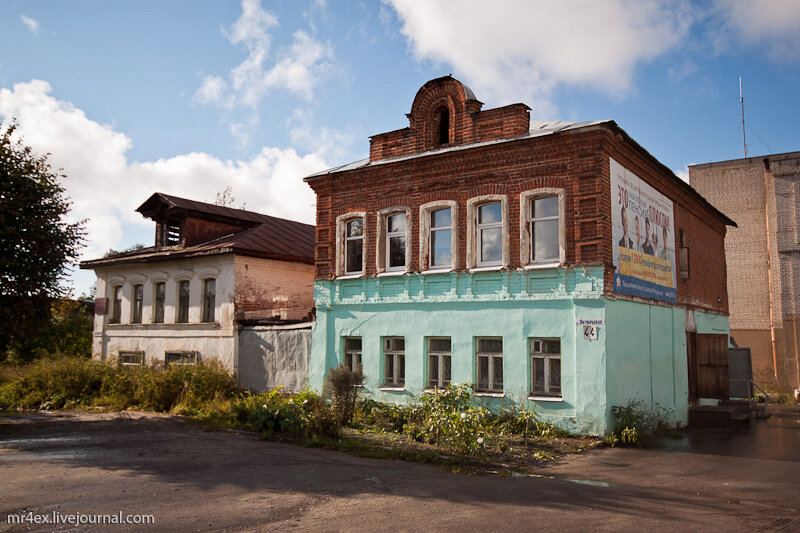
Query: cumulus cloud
[
  {"x": 32, "y": 24},
  {"x": 519, "y": 49},
  {"x": 296, "y": 68},
  {"x": 770, "y": 23},
  {"x": 106, "y": 188}
]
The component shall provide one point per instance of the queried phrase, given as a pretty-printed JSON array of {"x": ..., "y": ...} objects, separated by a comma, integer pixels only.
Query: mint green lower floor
[{"x": 639, "y": 352}]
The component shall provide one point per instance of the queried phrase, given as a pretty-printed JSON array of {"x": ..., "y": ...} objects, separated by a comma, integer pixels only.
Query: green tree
[{"x": 37, "y": 244}]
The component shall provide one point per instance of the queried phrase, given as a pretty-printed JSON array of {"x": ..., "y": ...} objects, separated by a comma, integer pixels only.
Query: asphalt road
[{"x": 190, "y": 479}]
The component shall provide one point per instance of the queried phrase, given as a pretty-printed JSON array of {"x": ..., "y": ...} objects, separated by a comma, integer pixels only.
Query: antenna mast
[{"x": 741, "y": 101}]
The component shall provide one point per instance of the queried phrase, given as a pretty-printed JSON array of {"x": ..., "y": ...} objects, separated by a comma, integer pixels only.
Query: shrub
[
  {"x": 304, "y": 416},
  {"x": 635, "y": 425},
  {"x": 342, "y": 384}
]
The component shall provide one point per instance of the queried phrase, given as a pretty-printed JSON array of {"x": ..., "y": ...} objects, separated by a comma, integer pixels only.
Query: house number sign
[{"x": 590, "y": 327}]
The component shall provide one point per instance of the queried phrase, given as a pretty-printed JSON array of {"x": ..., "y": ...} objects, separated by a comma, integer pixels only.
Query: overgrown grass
[
  {"x": 445, "y": 421},
  {"x": 637, "y": 426}
]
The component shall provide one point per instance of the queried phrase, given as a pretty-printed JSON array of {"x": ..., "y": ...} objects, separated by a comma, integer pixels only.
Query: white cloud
[
  {"x": 522, "y": 50},
  {"x": 328, "y": 143},
  {"x": 297, "y": 69},
  {"x": 771, "y": 23},
  {"x": 32, "y": 24},
  {"x": 106, "y": 188},
  {"x": 683, "y": 173}
]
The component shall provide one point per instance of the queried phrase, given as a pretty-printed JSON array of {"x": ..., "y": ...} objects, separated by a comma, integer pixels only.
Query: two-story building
[
  {"x": 556, "y": 266},
  {"x": 211, "y": 268}
]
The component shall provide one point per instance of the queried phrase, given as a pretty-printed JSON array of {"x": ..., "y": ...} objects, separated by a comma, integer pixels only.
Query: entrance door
[{"x": 710, "y": 367}]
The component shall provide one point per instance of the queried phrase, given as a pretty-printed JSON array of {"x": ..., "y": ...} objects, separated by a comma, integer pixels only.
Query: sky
[{"x": 189, "y": 97}]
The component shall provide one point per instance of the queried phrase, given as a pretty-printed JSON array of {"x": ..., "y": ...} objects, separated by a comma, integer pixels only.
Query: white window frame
[
  {"x": 341, "y": 244},
  {"x": 547, "y": 357},
  {"x": 441, "y": 382},
  {"x": 526, "y": 227},
  {"x": 382, "y": 250},
  {"x": 353, "y": 353},
  {"x": 396, "y": 380},
  {"x": 473, "y": 233},
  {"x": 491, "y": 389},
  {"x": 425, "y": 235}
]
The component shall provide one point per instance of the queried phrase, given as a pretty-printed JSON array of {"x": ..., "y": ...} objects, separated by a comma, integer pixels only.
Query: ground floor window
[
  {"x": 439, "y": 353},
  {"x": 352, "y": 353},
  {"x": 546, "y": 367},
  {"x": 130, "y": 359},
  {"x": 180, "y": 358},
  {"x": 394, "y": 353},
  {"x": 489, "y": 353}
]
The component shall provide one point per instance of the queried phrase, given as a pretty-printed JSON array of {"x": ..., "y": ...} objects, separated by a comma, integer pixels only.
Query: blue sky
[{"x": 189, "y": 97}]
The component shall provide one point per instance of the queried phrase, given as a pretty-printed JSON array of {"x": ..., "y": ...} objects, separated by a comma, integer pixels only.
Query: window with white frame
[
  {"x": 138, "y": 301},
  {"x": 441, "y": 239},
  {"x": 183, "y": 302},
  {"x": 395, "y": 242},
  {"x": 159, "y": 297},
  {"x": 209, "y": 299},
  {"x": 490, "y": 234},
  {"x": 394, "y": 354},
  {"x": 489, "y": 354},
  {"x": 352, "y": 353},
  {"x": 545, "y": 367},
  {"x": 354, "y": 246},
  {"x": 439, "y": 353},
  {"x": 116, "y": 304},
  {"x": 544, "y": 229}
]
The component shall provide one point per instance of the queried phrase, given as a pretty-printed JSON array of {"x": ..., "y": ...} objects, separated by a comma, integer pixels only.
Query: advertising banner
[{"x": 643, "y": 232}]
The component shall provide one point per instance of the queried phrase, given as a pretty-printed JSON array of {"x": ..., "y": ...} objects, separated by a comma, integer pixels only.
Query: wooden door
[
  {"x": 691, "y": 355},
  {"x": 711, "y": 368}
]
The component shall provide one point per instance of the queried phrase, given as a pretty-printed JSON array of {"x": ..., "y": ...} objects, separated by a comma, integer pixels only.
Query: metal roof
[{"x": 270, "y": 237}]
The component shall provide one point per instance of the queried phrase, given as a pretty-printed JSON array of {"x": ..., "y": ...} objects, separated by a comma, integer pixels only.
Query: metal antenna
[{"x": 741, "y": 101}]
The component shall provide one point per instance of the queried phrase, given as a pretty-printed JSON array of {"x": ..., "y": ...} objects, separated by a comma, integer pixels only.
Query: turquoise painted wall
[
  {"x": 640, "y": 352},
  {"x": 646, "y": 352},
  {"x": 514, "y": 305}
]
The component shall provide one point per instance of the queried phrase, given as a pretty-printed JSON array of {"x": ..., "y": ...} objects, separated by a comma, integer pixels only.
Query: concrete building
[
  {"x": 547, "y": 263},
  {"x": 212, "y": 271},
  {"x": 763, "y": 195}
]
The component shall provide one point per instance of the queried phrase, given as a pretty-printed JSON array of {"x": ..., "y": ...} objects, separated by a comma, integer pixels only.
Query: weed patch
[{"x": 637, "y": 426}]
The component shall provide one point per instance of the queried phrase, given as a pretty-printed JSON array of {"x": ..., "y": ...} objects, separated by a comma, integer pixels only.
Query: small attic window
[
  {"x": 172, "y": 232},
  {"x": 444, "y": 126}
]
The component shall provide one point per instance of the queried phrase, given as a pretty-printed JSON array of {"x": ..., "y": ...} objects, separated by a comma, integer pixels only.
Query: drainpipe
[{"x": 769, "y": 271}]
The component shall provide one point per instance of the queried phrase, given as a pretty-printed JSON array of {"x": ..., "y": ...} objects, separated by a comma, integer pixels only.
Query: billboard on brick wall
[{"x": 643, "y": 232}]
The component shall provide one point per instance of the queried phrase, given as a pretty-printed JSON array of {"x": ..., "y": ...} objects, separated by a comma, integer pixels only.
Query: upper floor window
[
  {"x": 684, "y": 254},
  {"x": 490, "y": 234},
  {"x": 172, "y": 232},
  {"x": 138, "y": 300},
  {"x": 354, "y": 247},
  {"x": 542, "y": 227},
  {"x": 209, "y": 299},
  {"x": 437, "y": 235},
  {"x": 116, "y": 304},
  {"x": 159, "y": 297},
  {"x": 396, "y": 242},
  {"x": 183, "y": 302}
]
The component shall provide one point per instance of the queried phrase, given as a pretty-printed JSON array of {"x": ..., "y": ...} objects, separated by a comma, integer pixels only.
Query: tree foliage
[{"x": 37, "y": 244}]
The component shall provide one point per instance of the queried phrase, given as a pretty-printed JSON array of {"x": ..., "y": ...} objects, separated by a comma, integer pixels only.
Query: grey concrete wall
[{"x": 273, "y": 356}]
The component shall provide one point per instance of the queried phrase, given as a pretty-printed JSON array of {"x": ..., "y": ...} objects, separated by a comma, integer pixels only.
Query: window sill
[
  {"x": 538, "y": 266},
  {"x": 491, "y": 394},
  {"x": 554, "y": 399},
  {"x": 351, "y": 276},
  {"x": 391, "y": 388},
  {"x": 391, "y": 273},
  {"x": 437, "y": 271},
  {"x": 486, "y": 268}
]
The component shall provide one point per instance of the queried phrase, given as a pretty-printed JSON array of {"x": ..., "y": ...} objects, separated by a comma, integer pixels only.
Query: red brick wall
[{"x": 577, "y": 161}]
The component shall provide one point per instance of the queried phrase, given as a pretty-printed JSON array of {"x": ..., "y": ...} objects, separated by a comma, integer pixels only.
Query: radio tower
[{"x": 741, "y": 101}]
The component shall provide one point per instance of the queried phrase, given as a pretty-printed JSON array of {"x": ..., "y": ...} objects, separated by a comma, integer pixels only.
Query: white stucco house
[{"x": 212, "y": 270}]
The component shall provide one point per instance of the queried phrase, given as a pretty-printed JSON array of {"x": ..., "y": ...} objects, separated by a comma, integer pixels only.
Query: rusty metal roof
[{"x": 270, "y": 238}]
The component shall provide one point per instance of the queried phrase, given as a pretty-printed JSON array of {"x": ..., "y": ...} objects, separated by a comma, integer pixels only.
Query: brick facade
[
  {"x": 760, "y": 192},
  {"x": 404, "y": 172}
]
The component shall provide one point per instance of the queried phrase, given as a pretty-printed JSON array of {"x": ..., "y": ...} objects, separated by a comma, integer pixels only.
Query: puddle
[
  {"x": 64, "y": 439},
  {"x": 589, "y": 482}
]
